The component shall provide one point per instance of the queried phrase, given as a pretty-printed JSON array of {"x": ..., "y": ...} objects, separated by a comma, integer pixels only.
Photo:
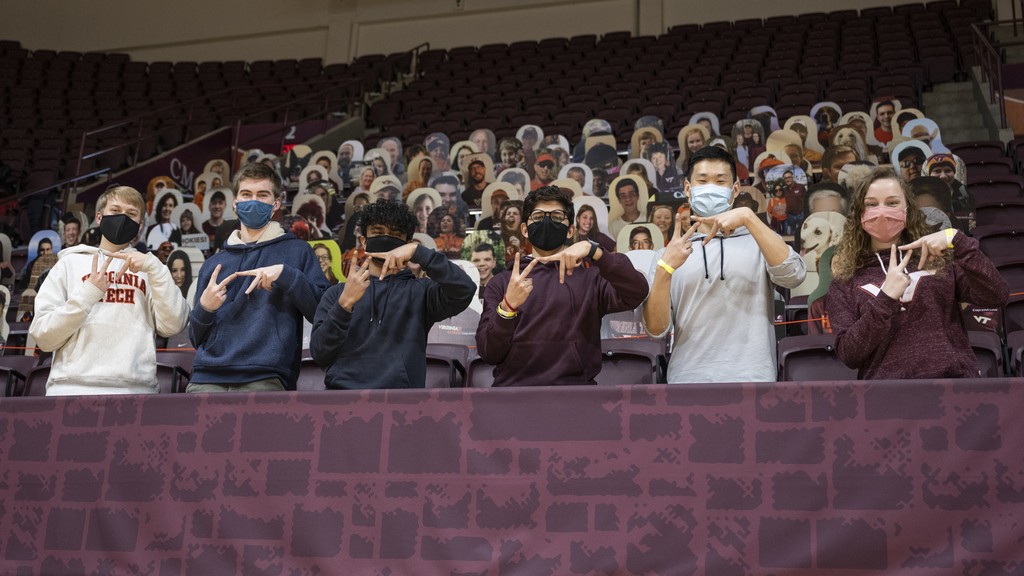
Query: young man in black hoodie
[
  {"x": 371, "y": 331},
  {"x": 554, "y": 337}
]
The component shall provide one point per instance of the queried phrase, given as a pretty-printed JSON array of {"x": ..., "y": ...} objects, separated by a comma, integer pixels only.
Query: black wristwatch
[{"x": 593, "y": 248}]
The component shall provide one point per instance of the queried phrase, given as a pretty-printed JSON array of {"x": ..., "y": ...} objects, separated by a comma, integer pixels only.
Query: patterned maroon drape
[{"x": 901, "y": 477}]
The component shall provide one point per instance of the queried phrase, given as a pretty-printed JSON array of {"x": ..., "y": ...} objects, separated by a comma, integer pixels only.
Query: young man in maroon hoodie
[{"x": 554, "y": 337}]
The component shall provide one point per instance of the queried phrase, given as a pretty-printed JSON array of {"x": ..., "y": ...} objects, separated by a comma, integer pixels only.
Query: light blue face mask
[
  {"x": 710, "y": 199},
  {"x": 254, "y": 214}
]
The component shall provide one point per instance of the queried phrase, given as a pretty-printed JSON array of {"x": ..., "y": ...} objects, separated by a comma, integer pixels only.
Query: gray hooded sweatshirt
[{"x": 722, "y": 310}]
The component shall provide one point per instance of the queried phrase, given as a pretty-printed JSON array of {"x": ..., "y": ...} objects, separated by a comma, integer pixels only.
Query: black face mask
[
  {"x": 119, "y": 229},
  {"x": 547, "y": 234},
  {"x": 382, "y": 244}
]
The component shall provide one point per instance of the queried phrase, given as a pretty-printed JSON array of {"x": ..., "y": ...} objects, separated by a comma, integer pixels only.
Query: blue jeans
[{"x": 792, "y": 222}]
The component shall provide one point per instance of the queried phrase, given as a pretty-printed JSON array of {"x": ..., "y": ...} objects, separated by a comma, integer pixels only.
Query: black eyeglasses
[
  {"x": 557, "y": 216},
  {"x": 915, "y": 161},
  {"x": 546, "y": 164}
]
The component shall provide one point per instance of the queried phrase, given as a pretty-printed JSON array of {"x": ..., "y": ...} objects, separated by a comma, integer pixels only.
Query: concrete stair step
[
  {"x": 948, "y": 97},
  {"x": 955, "y": 136},
  {"x": 959, "y": 122},
  {"x": 950, "y": 87},
  {"x": 958, "y": 109}
]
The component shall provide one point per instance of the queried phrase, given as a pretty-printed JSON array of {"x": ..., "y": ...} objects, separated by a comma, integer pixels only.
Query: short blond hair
[{"x": 125, "y": 194}]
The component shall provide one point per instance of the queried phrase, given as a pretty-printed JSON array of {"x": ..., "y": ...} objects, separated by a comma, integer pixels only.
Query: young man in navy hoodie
[
  {"x": 246, "y": 324},
  {"x": 554, "y": 337},
  {"x": 371, "y": 331}
]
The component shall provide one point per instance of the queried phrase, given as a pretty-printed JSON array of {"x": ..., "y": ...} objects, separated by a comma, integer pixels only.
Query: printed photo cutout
[
  {"x": 424, "y": 240},
  {"x": 691, "y": 138},
  {"x": 668, "y": 179},
  {"x": 310, "y": 174},
  {"x": 421, "y": 170},
  {"x": 164, "y": 205},
  {"x": 762, "y": 163},
  {"x": 883, "y": 113},
  {"x": 355, "y": 202},
  {"x": 387, "y": 187},
  {"x": 220, "y": 168},
  {"x": 422, "y": 202},
  {"x": 597, "y": 210},
  {"x": 251, "y": 155},
  {"x": 393, "y": 146},
  {"x": 494, "y": 195},
  {"x": 295, "y": 161},
  {"x": 362, "y": 175},
  {"x": 555, "y": 141},
  {"x": 644, "y": 236},
  {"x": 530, "y": 135},
  {"x": 43, "y": 242},
  {"x": 218, "y": 207},
  {"x": 751, "y": 198},
  {"x": 788, "y": 144},
  {"x": 155, "y": 187},
  {"x": 904, "y": 116},
  {"x": 545, "y": 168},
  {"x": 189, "y": 219},
  {"x": 627, "y": 196},
  {"x": 927, "y": 131},
  {"x": 570, "y": 185},
  {"x": 767, "y": 116},
  {"x": 581, "y": 173},
  {"x": 460, "y": 329},
  {"x": 328, "y": 254},
  {"x": 852, "y": 174},
  {"x": 329, "y": 161},
  {"x": 641, "y": 167},
  {"x": 642, "y": 140},
  {"x": 460, "y": 151},
  {"x": 826, "y": 115},
  {"x": 207, "y": 181},
  {"x": 274, "y": 163},
  {"x": 518, "y": 178},
  {"x": 5, "y": 247},
  {"x": 598, "y": 127},
  {"x": 438, "y": 146},
  {"x": 845, "y": 135},
  {"x": 491, "y": 263},
  {"x": 793, "y": 182},
  {"x": 819, "y": 232},
  {"x": 350, "y": 151},
  {"x": 312, "y": 209},
  {"x": 708, "y": 120},
  {"x": 484, "y": 140},
  {"x": 909, "y": 158},
  {"x": 951, "y": 169},
  {"x": 861, "y": 122},
  {"x": 650, "y": 122},
  {"x": 471, "y": 174},
  {"x": 805, "y": 127},
  {"x": 379, "y": 159}
]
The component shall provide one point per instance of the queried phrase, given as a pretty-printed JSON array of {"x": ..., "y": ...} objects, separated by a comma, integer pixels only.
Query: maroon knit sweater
[{"x": 923, "y": 338}]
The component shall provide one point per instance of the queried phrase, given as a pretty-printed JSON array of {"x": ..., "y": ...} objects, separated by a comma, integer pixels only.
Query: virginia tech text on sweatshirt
[{"x": 103, "y": 342}]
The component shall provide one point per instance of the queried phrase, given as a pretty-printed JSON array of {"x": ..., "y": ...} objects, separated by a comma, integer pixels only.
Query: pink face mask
[{"x": 883, "y": 223}]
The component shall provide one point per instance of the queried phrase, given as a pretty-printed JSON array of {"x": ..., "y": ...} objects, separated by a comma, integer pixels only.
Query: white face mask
[{"x": 710, "y": 199}]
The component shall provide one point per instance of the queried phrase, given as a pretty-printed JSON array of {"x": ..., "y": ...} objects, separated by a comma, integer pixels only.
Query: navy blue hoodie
[
  {"x": 382, "y": 343},
  {"x": 258, "y": 335}
]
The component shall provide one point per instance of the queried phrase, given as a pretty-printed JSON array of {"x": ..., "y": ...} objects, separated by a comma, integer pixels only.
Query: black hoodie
[{"x": 382, "y": 343}]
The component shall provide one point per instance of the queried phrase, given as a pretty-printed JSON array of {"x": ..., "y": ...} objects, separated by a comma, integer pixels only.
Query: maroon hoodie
[
  {"x": 923, "y": 338},
  {"x": 556, "y": 337}
]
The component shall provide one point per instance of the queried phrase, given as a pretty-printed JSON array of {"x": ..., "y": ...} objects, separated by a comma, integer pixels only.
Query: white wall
[{"x": 338, "y": 30}]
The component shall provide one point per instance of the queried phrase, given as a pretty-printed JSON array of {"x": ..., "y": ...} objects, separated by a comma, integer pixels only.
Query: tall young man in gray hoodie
[{"x": 719, "y": 301}]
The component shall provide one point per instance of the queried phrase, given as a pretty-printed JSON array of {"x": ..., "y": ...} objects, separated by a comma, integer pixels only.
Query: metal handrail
[
  {"x": 414, "y": 66},
  {"x": 188, "y": 120},
  {"x": 65, "y": 182},
  {"x": 991, "y": 71}
]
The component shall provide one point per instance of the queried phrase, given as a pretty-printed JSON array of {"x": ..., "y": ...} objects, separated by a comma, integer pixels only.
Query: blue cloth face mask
[
  {"x": 710, "y": 199},
  {"x": 254, "y": 214}
]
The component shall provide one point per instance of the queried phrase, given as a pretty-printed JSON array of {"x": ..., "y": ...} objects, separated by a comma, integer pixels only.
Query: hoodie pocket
[
  {"x": 546, "y": 361},
  {"x": 366, "y": 372}
]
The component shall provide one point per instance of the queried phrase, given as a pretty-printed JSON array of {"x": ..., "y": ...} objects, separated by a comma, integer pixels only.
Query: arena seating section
[
  {"x": 787, "y": 62},
  {"x": 48, "y": 99}
]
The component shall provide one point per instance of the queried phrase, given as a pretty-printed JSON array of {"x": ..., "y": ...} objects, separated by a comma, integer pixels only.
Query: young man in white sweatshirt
[{"x": 99, "y": 320}]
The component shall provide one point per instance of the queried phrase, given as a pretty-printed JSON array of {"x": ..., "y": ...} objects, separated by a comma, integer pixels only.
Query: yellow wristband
[
  {"x": 665, "y": 267},
  {"x": 950, "y": 234},
  {"x": 504, "y": 314}
]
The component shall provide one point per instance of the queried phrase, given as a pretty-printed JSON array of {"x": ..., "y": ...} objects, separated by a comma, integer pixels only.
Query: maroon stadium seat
[
  {"x": 989, "y": 351},
  {"x": 1003, "y": 213},
  {"x": 1015, "y": 346},
  {"x": 811, "y": 358}
]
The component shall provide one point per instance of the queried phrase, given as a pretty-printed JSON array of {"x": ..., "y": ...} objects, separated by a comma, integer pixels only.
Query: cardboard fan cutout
[
  {"x": 379, "y": 159},
  {"x": 328, "y": 254},
  {"x": 909, "y": 157},
  {"x": 310, "y": 174},
  {"x": 640, "y": 163},
  {"x": 581, "y": 173},
  {"x": 569, "y": 184},
  {"x": 691, "y": 138},
  {"x": 311, "y": 208},
  {"x": 218, "y": 207},
  {"x": 643, "y": 236},
  {"x": 642, "y": 139},
  {"x": 393, "y": 146},
  {"x": 530, "y": 135},
  {"x": 423, "y": 201},
  {"x": 927, "y": 131},
  {"x": 627, "y": 196},
  {"x": 459, "y": 153},
  {"x": 33, "y": 243},
  {"x": 849, "y": 136},
  {"x": 708, "y": 120},
  {"x": 805, "y": 127},
  {"x": 189, "y": 219},
  {"x": 387, "y": 187},
  {"x": 767, "y": 116},
  {"x": 220, "y": 168},
  {"x": 819, "y": 232},
  {"x": 861, "y": 121},
  {"x": 357, "y": 199},
  {"x": 484, "y": 141},
  {"x": 295, "y": 161},
  {"x": 438, "y": 147},
  {"x": 490, "y": 204},
  {"x": 599, "y": 208},
  {"x": 350, "y": 150},
  {"x": 518, "y": 178}
]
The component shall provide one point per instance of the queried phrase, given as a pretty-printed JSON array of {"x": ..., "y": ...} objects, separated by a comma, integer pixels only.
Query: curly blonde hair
[{"x": 855, "y": 247}]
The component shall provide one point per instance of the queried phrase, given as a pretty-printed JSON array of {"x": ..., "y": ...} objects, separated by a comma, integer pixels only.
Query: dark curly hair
[
  {"x": 434, "y": 222},
  {"x": 391, "y": 213},
  {"x": 547, "y": 194}
]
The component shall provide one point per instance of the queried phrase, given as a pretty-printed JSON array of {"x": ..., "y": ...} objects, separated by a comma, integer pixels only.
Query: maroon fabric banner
[{"x": 899, "y": 477}]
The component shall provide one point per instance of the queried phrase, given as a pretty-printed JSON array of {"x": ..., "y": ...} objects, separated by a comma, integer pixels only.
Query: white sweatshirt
[
  {"x": 103, "y": 343},
  {"x": 724, "y": 328}
]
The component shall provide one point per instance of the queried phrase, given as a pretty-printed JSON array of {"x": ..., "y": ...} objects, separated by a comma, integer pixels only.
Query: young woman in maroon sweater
[{"x": 894, "y": 317}]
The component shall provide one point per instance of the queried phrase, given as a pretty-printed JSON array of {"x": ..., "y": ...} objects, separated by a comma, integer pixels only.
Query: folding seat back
[
  {"x": 1013, "y": 312},
  {"x": 481, "y": 374},
  {"x": 1000, "y": 241},
  {"x": 311, "y": 376},
  {"x": 812, "y": 358},
  {"x": 989, "y": 351},
  {"x": 1003, "y": 213},
  {"x": 627, "y": 367}
]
